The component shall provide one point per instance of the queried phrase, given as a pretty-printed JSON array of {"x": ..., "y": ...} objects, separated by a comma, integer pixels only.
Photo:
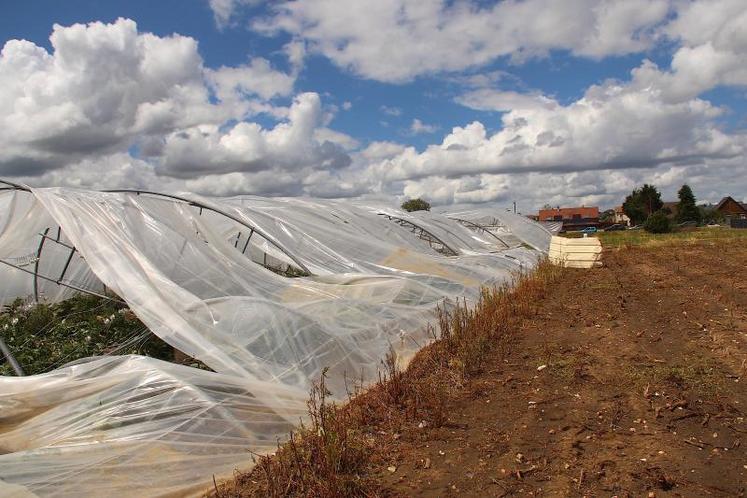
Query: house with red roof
[{"x": 573, "y": 218}]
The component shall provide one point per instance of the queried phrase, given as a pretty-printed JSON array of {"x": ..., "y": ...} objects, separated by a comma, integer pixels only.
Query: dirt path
[{"x": 629, "y": 381}]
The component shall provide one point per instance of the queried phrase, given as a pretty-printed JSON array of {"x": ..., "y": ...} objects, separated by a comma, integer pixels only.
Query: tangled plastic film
[{"x": 265, "y": 292}]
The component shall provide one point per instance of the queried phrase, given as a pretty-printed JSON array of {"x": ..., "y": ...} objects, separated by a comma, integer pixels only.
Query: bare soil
[{"x": 628, "y": 381}]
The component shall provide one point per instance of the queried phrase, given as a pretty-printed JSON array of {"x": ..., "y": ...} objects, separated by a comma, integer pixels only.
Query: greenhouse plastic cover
[{"x": 366, "y": 279}]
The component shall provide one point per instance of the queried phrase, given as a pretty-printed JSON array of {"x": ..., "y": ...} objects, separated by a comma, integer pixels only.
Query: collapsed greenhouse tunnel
[
  {"x": 293, "y": 267},
  {"x": 373, "y": 285},
  {"x": 58, "y": 267}
]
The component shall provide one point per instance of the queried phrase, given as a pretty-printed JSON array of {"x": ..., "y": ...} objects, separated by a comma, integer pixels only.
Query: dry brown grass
[
  {"x": 324, "y": 457},
  {"x": 331, "y": 455}
]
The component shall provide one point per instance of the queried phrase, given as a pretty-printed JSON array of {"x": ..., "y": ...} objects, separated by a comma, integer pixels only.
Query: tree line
[{"x": 644, "y": 207}]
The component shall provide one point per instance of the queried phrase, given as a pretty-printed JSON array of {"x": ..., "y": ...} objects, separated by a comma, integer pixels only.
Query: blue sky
[{"x": 544, "y": 110}]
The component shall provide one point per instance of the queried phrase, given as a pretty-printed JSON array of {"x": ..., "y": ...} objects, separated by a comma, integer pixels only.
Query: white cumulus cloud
[
  {"x": 417, "y": 127},
  {"x": 224, "y": 11},
  {"x": 248, "y": 147},
  {"x": 397, "y": 40},
  {"x": 612, "y": 126},
  {"x": 105, "y": 89},
  {"x": 103, "y": 85}
]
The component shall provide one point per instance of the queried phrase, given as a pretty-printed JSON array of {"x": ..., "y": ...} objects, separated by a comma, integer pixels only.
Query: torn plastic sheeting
[
  {"x": 527, "y": 231},
  {"x": 132, "y": 425},
  {"x": 375, "y": 286}
]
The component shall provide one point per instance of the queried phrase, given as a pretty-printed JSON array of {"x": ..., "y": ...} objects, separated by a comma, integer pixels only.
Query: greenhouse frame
[{"x": 267, "y": 293}]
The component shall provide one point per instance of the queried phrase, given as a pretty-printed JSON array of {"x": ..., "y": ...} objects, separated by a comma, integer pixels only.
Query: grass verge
[
  {"x": 332, "y": 455},
  {"x": 629, "y": 238}
]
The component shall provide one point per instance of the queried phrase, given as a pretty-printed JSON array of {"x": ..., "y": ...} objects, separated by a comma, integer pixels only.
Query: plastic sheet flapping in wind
[{"x": 266, "y": 292}]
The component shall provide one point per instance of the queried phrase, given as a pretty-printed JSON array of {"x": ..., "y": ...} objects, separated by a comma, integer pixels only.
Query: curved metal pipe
[
  {"x": 447, "y": 251},
  {"x": 36, "y": 264},
  {"x": 238, "y": 220},
  {"x": 16, "y": 186},
  {"x": 60, "y": 282},
  {"x": 477, "y": 226}
]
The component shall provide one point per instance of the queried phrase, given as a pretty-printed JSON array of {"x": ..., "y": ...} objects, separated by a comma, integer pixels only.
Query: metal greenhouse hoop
[
  {"x": 44, "y": 236},
  {"x": 479, "y": 229},
  {"x": 252, "y": 229},
  {"x": 423, "y": 234}
]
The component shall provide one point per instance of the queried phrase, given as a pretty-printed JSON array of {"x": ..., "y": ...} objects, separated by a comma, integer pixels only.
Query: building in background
[
  {"x": 574, "y": 218},
  {"x": 620, "y": 217},
  {"x": 731, "y": 209}
]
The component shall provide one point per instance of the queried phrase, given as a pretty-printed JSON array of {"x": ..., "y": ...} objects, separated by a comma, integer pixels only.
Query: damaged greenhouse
[{"x": 260, "y": 295}]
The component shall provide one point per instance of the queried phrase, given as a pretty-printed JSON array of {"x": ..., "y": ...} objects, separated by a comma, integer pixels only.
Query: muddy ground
[{"x": 629, "y": 381}]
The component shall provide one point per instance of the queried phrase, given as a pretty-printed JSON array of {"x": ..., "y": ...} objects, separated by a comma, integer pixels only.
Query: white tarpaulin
[{"x": 266, "y": 292}]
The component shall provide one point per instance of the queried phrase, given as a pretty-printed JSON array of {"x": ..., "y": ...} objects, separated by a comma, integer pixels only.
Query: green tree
[
  {"x": 686, "y": 208},
  {"x": 633, "y": 209},
  {"x": 658, "y": 222},
  {"x": 418, "y": 204},
  {"x": 642, "y": 203}
]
